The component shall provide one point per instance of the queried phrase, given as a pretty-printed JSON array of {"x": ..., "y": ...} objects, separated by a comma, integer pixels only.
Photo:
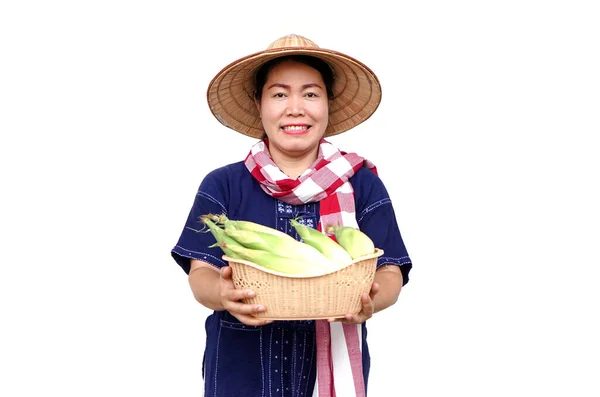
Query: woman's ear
[{"x": 257, "y": 104}]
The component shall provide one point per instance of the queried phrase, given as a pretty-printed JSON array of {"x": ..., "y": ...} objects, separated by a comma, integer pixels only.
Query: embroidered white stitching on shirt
[
  {"x": 312, "y": 357},
  {"x": 281, "y": 359},
  {"x": 270, "y": 361},
  {"x": 214, "y": 200},
  {"x": 302, "y": 366},
  {"x": 294, "y": 363},
  {"x": 262, "y": 365},
  {"x": 217, "y": 360},
  {"x": 373, "y": 206},
  {"x": 190, "y": 252}
]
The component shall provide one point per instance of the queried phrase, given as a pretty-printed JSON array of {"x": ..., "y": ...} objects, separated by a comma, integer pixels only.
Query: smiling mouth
[{"x": 295, "y": 129}]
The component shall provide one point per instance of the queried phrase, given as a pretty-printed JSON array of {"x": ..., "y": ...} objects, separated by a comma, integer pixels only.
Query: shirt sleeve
[
  {"x": 195, "y": 239},
  {"x": 377, "y": 219}
]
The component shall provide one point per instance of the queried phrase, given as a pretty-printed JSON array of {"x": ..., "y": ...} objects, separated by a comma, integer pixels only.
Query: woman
[{"x": 290, "y": 97}]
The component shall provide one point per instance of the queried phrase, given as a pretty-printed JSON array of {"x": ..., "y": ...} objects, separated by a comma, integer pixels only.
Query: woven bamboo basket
[{"x": 297, "y": 297}]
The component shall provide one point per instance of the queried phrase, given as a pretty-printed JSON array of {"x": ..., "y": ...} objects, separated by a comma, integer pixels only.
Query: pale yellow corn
[
  {"x": 254, "y": 242},
  {"x": 321, "y": 242},
  {"x": 271, "y": 260},
  {"x": 294, "y": 249},
  {"x": 250, "y": 226},
  {"x": 357, "y": 243},
  {"x": 248, "y": 239}
]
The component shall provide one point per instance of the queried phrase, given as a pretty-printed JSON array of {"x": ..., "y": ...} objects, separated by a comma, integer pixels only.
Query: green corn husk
[
  {"x": 321, "y": 242},
  {"x": 286, "y": 247},
  {"x": 247, "y": 225},
  {"x": 278, "y": 263},
  {"x": 223, "y": 240},
  {"x": 257, "y": 236},
  {"x": 248, "y": 238},
  {"x": 354, "y": 241},
  {"x": 253, "y": 242},
  {"x": 293, "y": 248}
]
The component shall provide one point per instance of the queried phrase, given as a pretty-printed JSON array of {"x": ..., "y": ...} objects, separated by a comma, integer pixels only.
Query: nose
[{"x": 295, "y": 106}]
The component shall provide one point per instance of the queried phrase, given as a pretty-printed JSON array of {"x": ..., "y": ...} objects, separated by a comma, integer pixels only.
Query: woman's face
[{"x": 294, "y": 109}]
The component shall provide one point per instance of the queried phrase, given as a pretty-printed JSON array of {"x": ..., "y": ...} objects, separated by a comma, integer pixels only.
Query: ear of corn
[
  {"x": 248, "y": 238},
  {"x": 223, "y": 240},
  {"x": 292, "y": 248},
  {"x": 315, "y": 253},
  {"x": 271, "y": 260},
  {"x": 250, "y": 226},
  {"x": 267, "y": 247},
  {"x": 321, "y": 242},
  {"x": 354, "y": 241},
  {"x": 282, "y": 244},
  {"x": 256, "y": 236}
]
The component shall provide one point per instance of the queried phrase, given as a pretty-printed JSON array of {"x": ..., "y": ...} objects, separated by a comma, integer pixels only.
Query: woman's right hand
[{"x": 231, "y": 300}]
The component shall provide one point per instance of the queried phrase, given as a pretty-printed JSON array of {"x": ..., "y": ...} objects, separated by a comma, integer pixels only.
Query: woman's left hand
[{"x": 368, "y": 308}]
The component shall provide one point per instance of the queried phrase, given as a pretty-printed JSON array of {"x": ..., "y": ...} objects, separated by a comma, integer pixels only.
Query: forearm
[
  {"x": 204, "y": 283},
  {"x": 390, "y": 282}
]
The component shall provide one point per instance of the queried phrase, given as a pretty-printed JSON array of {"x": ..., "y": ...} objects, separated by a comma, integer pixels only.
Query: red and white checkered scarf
[{"x": 339, "y": 346}]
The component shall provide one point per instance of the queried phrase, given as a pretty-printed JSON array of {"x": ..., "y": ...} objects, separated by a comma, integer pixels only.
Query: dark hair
[{"x": 321, "y": 66}]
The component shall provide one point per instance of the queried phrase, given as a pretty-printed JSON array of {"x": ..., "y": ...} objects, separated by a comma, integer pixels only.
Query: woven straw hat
[{"x": 356, "y": 89}]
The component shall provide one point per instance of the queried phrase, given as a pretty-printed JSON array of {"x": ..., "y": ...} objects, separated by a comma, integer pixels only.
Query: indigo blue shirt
[{"x": 278, "y": 359}]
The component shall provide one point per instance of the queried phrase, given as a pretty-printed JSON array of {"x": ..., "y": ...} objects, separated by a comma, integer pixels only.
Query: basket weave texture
[{"x": 297, "y": 297}]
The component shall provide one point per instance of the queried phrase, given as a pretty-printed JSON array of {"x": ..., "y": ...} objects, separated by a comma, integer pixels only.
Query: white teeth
[{"x": 295, "y": 128}]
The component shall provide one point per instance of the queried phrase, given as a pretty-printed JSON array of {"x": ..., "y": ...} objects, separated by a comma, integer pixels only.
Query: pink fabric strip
[
  {"x": 353, "y": 344},
  {"x": 324, "y": 358}
]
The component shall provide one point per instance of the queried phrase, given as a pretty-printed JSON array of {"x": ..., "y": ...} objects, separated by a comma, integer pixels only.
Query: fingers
[
  {"x": 251, "y": 320},
  {"x": 234, "y": 295},
  {"x": 366, "y": 312},
  {"x": 374, "y": 290},
  {"x": 238, "y": 307},
  {"x": 245, "y": 312},
  {"x": 368, "y": 307},
  {"x": 226, "y": 272},
  {"x": 228, "y": 291},
  {"x": 231, "y": 299}
]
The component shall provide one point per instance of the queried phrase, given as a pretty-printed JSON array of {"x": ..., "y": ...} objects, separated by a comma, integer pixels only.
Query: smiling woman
[
  {"x": 290, "y": 97},
  {"x": 293, "y": 106}
]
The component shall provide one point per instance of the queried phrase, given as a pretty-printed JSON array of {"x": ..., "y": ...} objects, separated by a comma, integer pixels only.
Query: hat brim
[{"x": 356, "y": 90}]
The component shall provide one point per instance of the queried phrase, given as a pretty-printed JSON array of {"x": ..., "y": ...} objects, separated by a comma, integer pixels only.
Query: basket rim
[{"x": 378, "y": 252}]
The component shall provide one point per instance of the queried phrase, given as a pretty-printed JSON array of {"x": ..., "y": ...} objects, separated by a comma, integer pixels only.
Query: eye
[
  {"x": 311, "y": 95},
  {"x": 279, "y": 95}
]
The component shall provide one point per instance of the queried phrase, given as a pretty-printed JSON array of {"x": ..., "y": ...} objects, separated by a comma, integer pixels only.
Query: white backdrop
[{"x": 484, "y": 138}]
